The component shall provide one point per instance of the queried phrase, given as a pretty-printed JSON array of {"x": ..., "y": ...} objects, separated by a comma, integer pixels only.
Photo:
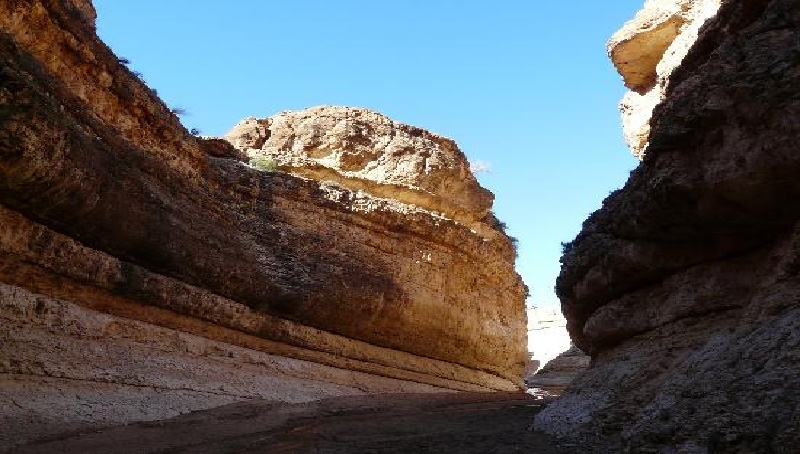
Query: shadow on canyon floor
[{"x": 387, "y": 423}]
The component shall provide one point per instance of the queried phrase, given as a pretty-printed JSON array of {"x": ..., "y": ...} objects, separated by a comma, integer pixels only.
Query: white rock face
[{"x": 547, "y": 336}]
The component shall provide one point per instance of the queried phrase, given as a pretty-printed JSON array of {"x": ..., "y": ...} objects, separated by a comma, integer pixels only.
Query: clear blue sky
[{"x": 523, "y": 85}]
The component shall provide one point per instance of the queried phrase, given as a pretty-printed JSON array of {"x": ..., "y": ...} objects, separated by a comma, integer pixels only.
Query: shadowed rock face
[
  {"x": 684, "y": 286},
  {"x": 559, "y": 372},
  {"x": 111, "y": 211}
]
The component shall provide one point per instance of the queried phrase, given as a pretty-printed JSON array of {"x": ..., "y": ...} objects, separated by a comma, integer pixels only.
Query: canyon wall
[
  {"x": 685, "y": 285},
  {"x": 547, "y": 337},
  {"x": 146, "y": 272}
]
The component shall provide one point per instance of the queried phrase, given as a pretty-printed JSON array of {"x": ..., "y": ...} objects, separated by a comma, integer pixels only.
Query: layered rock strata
[
  {"x": 685, "y": 285},
  {"x": 365, "y": 151},
  {"x": 559, "y": 372},
  {"x": 140, "y": 263}
]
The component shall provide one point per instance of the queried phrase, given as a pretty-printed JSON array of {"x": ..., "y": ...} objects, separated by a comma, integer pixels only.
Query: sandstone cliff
[
  {"x": 146, "y": 272},
  {"x": 684, "y": 286}
]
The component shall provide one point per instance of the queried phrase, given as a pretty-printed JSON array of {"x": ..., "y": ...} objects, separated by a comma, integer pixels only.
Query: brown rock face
[
  {"x": 121, "y": 235},
  {"x": 684, "y": 286},
  {"x": 363, "y": 150}
]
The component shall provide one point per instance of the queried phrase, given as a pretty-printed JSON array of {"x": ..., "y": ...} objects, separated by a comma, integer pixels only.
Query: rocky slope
[
  {"x": 557, "y": 374},
  {"x": 685, "y": 286},
  {"x": 146, "y": 272}
]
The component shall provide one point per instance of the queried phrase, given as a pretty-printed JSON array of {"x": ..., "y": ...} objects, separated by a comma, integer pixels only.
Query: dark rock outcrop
[{"x": 685, "y": 286}]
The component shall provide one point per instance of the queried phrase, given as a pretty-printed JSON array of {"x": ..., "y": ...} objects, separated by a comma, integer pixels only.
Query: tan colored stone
[
  {"x": 363, "y": 150},
  {"x": 121, "y": 224},
  {"x": 64, "y": 367},
  {"x": 646, "y": 50}
]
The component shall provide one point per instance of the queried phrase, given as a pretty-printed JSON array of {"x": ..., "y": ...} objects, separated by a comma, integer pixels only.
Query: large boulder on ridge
[{"x": 364, "y": 150}]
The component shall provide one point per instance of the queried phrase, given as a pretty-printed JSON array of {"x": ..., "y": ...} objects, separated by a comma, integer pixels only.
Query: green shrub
[
  {"x": 264, "y": 164},
  {"x": 492, "y": 220}
]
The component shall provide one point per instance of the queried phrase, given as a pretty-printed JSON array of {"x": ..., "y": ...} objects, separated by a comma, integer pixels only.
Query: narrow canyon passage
[{"x": 382, "y": 423}]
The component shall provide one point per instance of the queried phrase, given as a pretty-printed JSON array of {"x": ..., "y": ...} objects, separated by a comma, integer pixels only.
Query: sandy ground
[{"x": 384, "y": 423}]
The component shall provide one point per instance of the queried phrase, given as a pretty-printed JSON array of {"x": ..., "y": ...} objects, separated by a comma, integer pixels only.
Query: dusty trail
[{"x": 388, "y": 423}]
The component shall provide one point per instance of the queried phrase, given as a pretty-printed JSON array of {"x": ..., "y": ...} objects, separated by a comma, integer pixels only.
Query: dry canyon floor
[{"x": 384, "y": 423}]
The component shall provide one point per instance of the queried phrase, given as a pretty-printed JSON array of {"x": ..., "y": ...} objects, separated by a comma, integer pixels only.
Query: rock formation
[
  {"x": 646, "y": 51},
  {"x": 684, "y": 286},
  {"x": 145, "y": 272},
  {"x": 547, "y": 337},
  {"x": 559, "y": 372},
  {"x": 363, "y": 150}
]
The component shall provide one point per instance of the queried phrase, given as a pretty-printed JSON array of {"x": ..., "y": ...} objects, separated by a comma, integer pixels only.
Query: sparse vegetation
[
  {"x": 123, "y": 61},
  {"x": 195, "y": 132},
  {"x": 179, "y": 111},
  {"x": 497, "y": 224},
  {"x": 492, "y": 220},
  {"x": 515, "y": 244},
  {"x": 264, "y": 164},
  {"x": 566, "y": 247}
]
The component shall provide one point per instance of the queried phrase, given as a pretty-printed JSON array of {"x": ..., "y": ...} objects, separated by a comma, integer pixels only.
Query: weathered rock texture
[
  {"x": 685, "y": 286},
  {"x": 560, "y": 371},
  {"x": 364, "y": 150},
  {"x": 646, "y": 51},
  {"x": 155, "y": 266}
]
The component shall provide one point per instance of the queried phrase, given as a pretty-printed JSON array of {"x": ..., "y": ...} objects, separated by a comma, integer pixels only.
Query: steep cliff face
[
  {"x": 149, "y": 264},
  {"x": 684, "y": 286}
]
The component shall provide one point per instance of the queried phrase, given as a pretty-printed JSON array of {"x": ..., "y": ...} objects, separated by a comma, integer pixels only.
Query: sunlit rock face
[
  {"x": 685, "y": 286},
  {"x": 363, "y": 150},
  {"x": 646, "y": 51},
  {"x": 139, "y": 263}
]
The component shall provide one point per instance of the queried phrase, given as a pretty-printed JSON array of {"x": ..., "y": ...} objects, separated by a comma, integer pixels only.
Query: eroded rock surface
[
  {"x": 646, "y": 51},
  {"x": 685, "y": 286},
  {"x": 139, "y": 259},
  {"x": 557, "y": 374},
  {"x": 363, "y": 150}
]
